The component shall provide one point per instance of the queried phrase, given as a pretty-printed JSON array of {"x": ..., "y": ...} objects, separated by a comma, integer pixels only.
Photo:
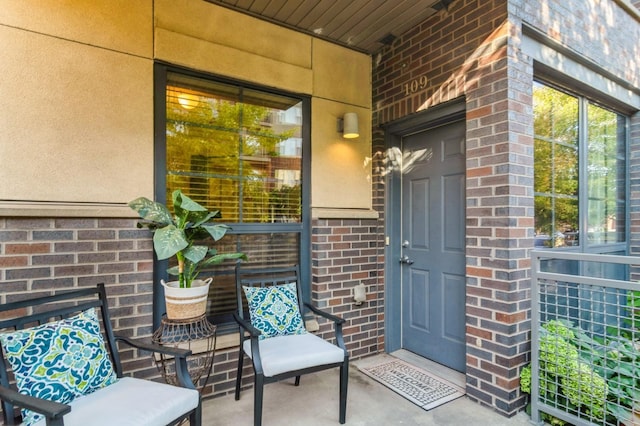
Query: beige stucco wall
[
  {"x": 76, "y": 99},
  {"x": 76, "y": 102},
  {"x": 340, "y": 170}
]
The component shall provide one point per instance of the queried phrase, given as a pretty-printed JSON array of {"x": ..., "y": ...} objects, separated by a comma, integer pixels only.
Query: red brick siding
[
  {"x": 39, "y": 255},
  {"x": 599, "y": 30},
  {"x": 466, "y": 52},
  {"x": 345, "y": 253},
  {"x": 472, "y": 50}
]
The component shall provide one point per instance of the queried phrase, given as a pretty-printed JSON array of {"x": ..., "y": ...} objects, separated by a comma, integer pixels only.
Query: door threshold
[{"x": 453, "y": 376}]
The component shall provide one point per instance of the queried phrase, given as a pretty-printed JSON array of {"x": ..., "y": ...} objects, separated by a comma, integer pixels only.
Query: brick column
[
  {"x": 345, "y": 253},
  {"x": 499, "y": 224}
]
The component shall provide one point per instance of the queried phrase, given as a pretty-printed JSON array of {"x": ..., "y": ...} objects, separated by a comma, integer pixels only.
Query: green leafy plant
[
  {"x": 613, "y": 358},
  {"x": 177, "y": 234},
  {"x": 630, "y": 327},
  {"x": 618, "y": 360},
  {"x": 619, "y": 364},
  {"x": 565, "y": 377}
]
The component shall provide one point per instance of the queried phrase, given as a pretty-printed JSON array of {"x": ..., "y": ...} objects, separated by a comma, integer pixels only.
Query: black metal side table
[{"x": 196, "y": 334}]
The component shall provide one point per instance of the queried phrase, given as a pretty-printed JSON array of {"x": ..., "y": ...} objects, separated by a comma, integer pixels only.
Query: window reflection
[
  {"x": 557, "y": 183},
  {"x": 235, "y": 149}
]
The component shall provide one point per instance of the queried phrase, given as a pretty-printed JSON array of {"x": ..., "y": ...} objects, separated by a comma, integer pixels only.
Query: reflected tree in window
[
  {"x": 565, "y": 125},
  {"x": 606, "y": 175},
  {"x": 556, "y": 165},
  {"x": 225, "y": 153},
  {"x": 239, "y": 150}
]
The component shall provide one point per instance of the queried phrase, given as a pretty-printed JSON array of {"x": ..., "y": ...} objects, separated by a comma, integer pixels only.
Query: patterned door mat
[{"x": 418, "y": 386}]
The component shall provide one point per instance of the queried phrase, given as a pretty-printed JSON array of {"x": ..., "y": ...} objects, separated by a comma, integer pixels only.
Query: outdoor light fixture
[{"x": 348, "y": 125}]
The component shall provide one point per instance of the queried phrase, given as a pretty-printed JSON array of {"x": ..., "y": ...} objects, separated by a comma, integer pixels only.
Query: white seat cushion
[
  {"x": 131, "y": 401},
  {"x": 294, "y": 352}
]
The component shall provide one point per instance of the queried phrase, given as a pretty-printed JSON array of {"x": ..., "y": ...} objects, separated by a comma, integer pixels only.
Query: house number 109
[{"x": 415, "y": 85}]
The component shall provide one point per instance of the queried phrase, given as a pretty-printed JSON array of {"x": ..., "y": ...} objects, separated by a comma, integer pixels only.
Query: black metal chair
[
  {"x": 285, "y": 356},
  {"x": 140, "y": 402}
]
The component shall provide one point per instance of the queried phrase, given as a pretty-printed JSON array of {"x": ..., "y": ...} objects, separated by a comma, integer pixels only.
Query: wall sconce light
[{"x": 348, "y": 125}]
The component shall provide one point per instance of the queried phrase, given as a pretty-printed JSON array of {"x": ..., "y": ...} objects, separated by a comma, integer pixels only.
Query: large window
[
  {"x": 580, "y": 172},
  {"x": 240, "y": 150}
]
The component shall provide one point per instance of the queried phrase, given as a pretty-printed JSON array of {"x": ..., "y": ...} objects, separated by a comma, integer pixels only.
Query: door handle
[{"x": 405, "y": 259}]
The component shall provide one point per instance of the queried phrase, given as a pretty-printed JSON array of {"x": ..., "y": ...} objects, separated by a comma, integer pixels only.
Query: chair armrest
[
  {"x": 324, "y": 314},
  {"x": 246, "y": 325},
  {"x": 179, "y": 355},
  {"x": 337, "y": 323},
  {"x": 254, "y": 335},
  {"x": 52, "y": 410},
  {"x": 153, "y": 347}
]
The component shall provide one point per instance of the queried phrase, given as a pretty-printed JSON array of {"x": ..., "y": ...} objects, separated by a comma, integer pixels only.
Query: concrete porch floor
[{"x": 315, "y": 403}]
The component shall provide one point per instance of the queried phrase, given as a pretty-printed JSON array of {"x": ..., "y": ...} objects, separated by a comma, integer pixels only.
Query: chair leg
[
  {"x": 239, "y": 372},
  {"x": 344, "y": 379},
  {"x": 195, "y": 418},
  {"x": 258, "y": 388},
  {"x": 297, "y": 383}
]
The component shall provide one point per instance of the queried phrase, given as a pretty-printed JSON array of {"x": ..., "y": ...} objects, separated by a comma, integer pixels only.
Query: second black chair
[{"x": 273, "y": 335}]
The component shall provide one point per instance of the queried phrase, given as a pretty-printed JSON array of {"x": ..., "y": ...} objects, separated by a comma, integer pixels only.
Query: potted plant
[{"x": 177, "y": 234}]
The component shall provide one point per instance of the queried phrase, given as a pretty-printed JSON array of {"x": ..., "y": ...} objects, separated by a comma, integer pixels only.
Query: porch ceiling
[{"x": 362, "y": 25}]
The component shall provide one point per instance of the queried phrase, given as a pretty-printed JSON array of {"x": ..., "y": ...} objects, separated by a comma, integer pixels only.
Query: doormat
[{"x": 418, "y": 386}]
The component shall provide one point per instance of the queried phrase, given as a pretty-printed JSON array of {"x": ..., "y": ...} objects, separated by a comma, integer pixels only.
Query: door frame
[{"x": 431, "y": 118}]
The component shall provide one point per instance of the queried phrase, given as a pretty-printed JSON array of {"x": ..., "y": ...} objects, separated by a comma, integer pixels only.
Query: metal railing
[{"x": 585, "y": 339}]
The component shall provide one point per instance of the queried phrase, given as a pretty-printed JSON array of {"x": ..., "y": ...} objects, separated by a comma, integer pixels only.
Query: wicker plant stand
[{"x": 196, "y": 334}]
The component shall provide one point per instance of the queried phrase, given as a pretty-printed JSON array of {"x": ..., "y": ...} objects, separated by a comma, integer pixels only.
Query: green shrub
[
  {"x": 525, "y": 379},
  {"x": 557, "y": 355},
  {"x": 581, "y": 388},
  {"x": 586, "y": 388},
  {"x": 560, "y": 328}
]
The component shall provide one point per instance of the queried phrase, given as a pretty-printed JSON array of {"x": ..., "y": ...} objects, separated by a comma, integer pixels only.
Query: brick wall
[
  {"x": 345, "y": 253},
  {"x": 465, "y": 51},
  {"x": 472, "y": 50},
  {"x": 39, "y": 255},
  {"x": 598, "y": 30}
]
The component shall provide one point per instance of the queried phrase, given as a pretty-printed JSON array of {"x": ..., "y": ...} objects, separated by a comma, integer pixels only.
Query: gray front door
[{"x": 433, "y": 244}]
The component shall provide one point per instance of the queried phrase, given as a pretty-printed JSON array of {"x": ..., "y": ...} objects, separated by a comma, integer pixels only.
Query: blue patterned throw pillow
[
  {"x": 274, "y": 310},
  {"x": 59, "y": 361}
]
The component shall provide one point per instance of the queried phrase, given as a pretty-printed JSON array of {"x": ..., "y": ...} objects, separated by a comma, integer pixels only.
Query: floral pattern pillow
[
  {"x": 274, "y": 310},
  {"x": 59, "y": 361}
]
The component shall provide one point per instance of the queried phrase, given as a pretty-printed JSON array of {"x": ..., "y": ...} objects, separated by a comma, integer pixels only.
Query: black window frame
[{"x": 303, "y": 228}]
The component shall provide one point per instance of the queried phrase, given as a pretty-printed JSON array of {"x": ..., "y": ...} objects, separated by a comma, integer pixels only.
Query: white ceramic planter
[{"x": 185, "y": 303}]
